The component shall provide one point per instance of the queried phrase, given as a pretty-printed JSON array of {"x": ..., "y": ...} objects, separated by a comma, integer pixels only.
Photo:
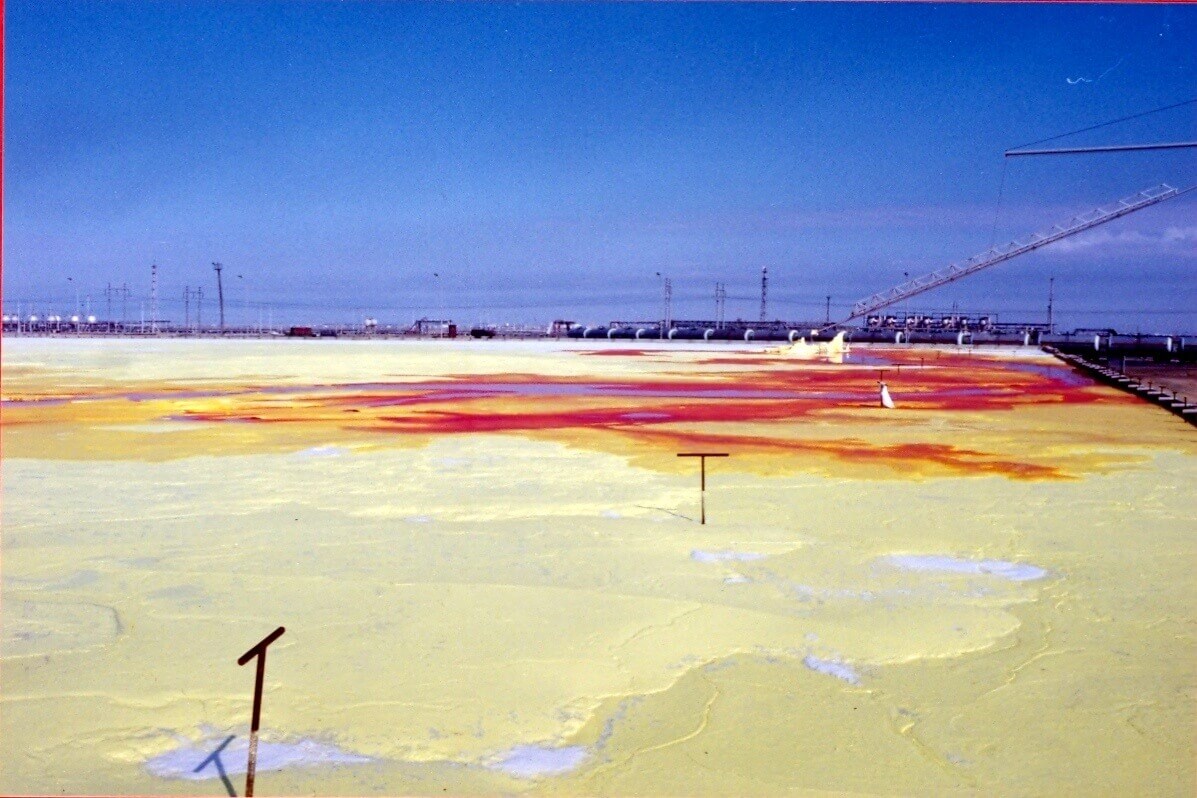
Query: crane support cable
[
  {"x": 1004, "y": 252},
  {"x": 1167, "y": 145}
]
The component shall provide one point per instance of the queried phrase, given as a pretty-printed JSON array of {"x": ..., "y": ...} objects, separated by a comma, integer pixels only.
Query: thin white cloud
[
  {"x": 1171, "y": 240},
  {"x": 1075, "y": 81},
  {"x": 1111, "y": 69}
]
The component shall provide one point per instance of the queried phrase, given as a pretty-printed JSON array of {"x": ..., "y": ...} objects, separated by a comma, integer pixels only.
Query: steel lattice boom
[{"x": 1004, "y": 252}]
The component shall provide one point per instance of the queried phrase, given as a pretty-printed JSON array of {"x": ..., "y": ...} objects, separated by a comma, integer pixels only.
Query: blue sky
[{"x": 548, "y": 160}]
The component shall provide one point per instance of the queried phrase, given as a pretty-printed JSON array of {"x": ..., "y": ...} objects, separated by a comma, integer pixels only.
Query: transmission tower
[
  {"x": 154, "y": 298},
  {"x": 720, "y": 304}
]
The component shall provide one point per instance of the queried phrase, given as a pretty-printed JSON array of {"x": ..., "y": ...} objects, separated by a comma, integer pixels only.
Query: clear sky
[{"x": 523, "y": 162}]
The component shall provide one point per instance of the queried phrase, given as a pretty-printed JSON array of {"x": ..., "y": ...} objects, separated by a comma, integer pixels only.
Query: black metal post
[{"x": 702, "y": 458}]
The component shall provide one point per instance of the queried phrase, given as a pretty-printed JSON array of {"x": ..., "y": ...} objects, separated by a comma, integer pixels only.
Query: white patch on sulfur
[
  {"x": 532, "y": 761},
  {"x": 154, "y": 428},
  {"x": 195, "y": 761},
  {"x": 840, "y": 670},
  {"x": 724, "y": 555},
  {"x": 1015, "y": 572},
  {"x": 321, "y": 451}
]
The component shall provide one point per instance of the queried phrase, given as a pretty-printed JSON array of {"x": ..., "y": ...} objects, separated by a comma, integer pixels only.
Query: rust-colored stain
[{"x": 925, "y": 458}]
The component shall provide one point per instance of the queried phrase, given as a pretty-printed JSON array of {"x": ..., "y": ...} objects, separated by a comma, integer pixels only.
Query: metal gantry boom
[
  {"x": 1164, "y": 145},
  {"x": 1004, "y": 252}
]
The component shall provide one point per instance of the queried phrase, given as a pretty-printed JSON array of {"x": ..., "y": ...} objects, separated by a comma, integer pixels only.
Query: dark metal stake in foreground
[
  {"x": 258, "y": 651},
  {"x": 703, "y": 460}
]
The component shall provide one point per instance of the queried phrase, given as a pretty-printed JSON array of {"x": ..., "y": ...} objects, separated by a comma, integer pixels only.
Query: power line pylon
[
  {"x": 764, "y": 291},
  {"x": 154, "y": 298}
]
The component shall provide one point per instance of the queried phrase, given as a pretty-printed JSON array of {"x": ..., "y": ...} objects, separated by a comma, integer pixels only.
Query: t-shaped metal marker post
[
  {"x": 258, "y": 651},
  {"x": 703, "y": 461}
]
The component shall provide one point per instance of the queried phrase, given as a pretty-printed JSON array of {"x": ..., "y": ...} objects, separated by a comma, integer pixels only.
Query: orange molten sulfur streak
[{"x": 747, "y": 403}]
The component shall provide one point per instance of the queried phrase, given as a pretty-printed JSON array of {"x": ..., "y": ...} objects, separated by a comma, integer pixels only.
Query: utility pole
[
  {"x": 154, "y": 298},
  {"x": 199, "y": 309},
  {"x": 108, "y": 303},
  {"x": 124, "y": 292},
  {"x": 764, "y": 291},
  {"x": 244, "y": 297},
  {"x": 1051, "y": 291},
  {"x": 666, "y": 298},
  {"x": 187, "y": 308},
  {"x": 219, "y": 293},
  {"x": 827, "y": 317},
  {"x": 440, "y": 300},
  {"x": 668, "y": 307}
]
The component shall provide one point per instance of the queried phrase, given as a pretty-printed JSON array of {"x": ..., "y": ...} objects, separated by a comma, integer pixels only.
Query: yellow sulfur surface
[{"x": 954, "y": 597}]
